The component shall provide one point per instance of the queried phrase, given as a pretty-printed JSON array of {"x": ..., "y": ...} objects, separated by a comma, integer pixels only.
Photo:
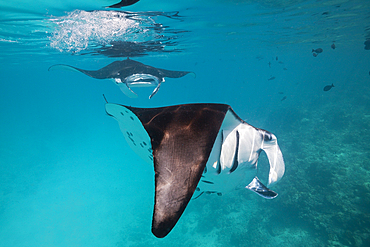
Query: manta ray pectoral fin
[
  {"x": 181, "y": 140},
  {"x": 257, "y": 187},
  {"x": 125, "y": 88},
  {"x": 97, "y": 74},
  {"x": 132, "y": 129},
  {"x": 63, "y": 67},
  {"x": 187, "y": 135},
  {"x": 174, "y": 74}
]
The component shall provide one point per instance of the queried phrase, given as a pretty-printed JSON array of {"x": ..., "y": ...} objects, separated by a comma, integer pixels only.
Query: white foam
[{"x": 81, "y": 29}]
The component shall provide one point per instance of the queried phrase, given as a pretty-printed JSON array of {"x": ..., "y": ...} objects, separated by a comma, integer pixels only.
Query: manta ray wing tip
[
  {"x": 164, "y": 222},
  {"x": 52, "y": 67},
  {"x": 160, "y": 232}
]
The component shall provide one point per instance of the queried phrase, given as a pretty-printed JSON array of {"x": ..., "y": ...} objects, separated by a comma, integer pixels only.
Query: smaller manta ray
[
  {"x": 129, "y": 73},
  {"x": 196, "y": 149}
]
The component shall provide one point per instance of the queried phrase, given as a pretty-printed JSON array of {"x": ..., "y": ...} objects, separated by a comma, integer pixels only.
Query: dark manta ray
[
  {"x": 202, "y": 148},
  {"x": 129, "y": 73},
  {"x": 123, "y": 3}
]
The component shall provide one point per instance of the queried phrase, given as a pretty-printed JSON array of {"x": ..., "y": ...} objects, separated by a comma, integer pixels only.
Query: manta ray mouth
[{"x": 142, "y": 80}]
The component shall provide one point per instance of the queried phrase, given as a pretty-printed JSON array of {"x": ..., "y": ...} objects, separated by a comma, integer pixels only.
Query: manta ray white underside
[{"x": 138, "y": 80}]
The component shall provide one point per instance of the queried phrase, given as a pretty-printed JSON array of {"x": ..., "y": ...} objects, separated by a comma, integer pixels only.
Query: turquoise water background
[{"x": 68, "y": 178}]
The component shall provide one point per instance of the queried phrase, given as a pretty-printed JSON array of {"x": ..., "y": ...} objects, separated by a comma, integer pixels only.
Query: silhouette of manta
[{"x": 129, "y": 73}]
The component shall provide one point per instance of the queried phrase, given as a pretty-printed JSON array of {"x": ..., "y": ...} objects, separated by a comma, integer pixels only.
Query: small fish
[
  {"x": 285, "y": 69},
  {"x": 328, "y": 87},
  {"x": 270, "y": 64},
  {"x": 281, "y": 62},
  {"x": 281, "y": 92},
  {"x": 277, "y": 58},
  {"x": 314, "y": 54},
  {"x": 318, "y": 50},
  {"x": 284, "y": 98},
  {"x": 271, "y": 78},
  {"x": 333, "y": 46}
]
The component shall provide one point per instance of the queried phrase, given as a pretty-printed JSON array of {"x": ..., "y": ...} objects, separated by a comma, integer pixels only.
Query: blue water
[{"x": 68, "y": 178}]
